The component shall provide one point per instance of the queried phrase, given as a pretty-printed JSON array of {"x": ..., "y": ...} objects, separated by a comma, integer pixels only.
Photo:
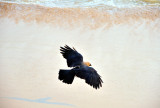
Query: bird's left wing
[{"x": 90, "y": 76}]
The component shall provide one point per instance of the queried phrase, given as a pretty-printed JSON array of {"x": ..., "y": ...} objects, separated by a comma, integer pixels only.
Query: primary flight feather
[{"x": 80, "y": 69}]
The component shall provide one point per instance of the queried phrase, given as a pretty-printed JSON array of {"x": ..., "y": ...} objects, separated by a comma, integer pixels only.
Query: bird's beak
[{"x": 87, "y": 63}]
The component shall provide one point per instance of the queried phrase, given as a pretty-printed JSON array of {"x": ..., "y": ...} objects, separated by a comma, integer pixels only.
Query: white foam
[{"x": 82, "y": 3}]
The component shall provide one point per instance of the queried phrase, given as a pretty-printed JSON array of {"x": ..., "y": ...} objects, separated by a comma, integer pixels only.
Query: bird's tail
[{"x": 67, "y": 76}]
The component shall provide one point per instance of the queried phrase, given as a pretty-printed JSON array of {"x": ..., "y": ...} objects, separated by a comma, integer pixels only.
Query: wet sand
[
  {"x": 73, "y": 17},
  {"x": 123, "y": 46}
]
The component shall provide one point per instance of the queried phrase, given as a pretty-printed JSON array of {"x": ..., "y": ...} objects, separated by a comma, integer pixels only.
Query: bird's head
[{"x": 87, "y": 63}]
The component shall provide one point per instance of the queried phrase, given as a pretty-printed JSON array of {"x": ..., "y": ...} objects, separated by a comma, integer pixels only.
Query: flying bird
[{"x": 80, "y": 69}]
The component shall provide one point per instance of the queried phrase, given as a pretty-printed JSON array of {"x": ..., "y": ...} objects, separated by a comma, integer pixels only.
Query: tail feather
[{"x": 67, "y": 76}]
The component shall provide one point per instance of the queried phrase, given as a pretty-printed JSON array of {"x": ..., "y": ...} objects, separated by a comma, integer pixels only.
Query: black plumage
[
  {"x": 72, "y": 56},
  {"x": 80, "y": 69},
  {"x": 67, "y": 76}
]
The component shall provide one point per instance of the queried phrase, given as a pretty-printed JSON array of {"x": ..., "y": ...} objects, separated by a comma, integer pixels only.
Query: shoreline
[{"x": 73, "y": 17}]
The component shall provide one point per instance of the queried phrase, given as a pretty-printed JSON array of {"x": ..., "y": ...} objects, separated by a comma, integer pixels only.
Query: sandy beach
[{"x": 123, "y": 45}]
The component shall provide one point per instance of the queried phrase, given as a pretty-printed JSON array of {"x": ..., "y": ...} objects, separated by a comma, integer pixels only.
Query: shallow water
[
  {"x": 123, "y": 45},
  {"x": 88, "y": 3}
]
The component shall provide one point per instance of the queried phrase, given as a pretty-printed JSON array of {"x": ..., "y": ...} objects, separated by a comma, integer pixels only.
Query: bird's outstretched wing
[
  {"x": 72, "y": 56},
  {"x": 90, "y": 76}
]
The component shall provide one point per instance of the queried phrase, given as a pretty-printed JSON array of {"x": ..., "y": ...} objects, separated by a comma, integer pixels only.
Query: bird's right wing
[
  {"x": 72, "y": 56},
  {"x": 90, "y": 76}
]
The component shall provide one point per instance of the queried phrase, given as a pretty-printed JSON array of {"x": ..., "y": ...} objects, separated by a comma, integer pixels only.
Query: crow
[{"x": 80, "y": 69}]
